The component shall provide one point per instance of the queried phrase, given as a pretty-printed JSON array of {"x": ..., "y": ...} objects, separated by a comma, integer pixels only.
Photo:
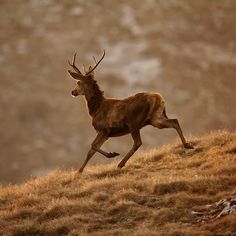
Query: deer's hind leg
[{"x": 161, "y": 121}]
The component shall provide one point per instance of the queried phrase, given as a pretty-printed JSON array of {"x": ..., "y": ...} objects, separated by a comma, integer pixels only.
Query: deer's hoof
[
  {"x": 120, "y": 165},
  {"x": 188, "y": 146},
  {"x": 113, "y": 154}
]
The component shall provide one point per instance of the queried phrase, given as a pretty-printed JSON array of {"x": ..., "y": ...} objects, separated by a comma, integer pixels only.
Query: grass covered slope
[{"x": 157, "y": 193}]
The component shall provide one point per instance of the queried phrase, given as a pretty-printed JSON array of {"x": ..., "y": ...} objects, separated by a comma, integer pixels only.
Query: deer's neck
[{"x": 94, "y": 97}]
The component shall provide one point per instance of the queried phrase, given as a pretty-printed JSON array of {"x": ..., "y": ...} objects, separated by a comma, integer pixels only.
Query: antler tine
[
  {"x": 84, "y": 68},
  {"x": 91, "y": 70},
  {"x": 73, "y": 64},
  {"x": 94, "y": 59}
]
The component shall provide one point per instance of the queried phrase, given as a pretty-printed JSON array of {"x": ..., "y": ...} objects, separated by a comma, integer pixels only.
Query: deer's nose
[{"x": 74, "y": 93}]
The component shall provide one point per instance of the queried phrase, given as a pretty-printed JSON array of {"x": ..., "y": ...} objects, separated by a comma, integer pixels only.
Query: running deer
[{"x": 114, "y": 117}]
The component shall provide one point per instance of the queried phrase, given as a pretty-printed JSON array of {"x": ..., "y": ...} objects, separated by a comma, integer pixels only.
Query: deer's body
[{"x": 117, "y": 117}]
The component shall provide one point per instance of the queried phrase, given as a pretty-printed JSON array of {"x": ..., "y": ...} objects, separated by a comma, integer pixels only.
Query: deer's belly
[
  {"x": 118, "y": 131},
  {"x": 114, "y": 130}
]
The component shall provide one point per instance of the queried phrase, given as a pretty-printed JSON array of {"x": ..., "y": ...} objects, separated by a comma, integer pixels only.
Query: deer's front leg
[
  {"x": 137, "y": 143},
  {"x": 96, "y": 144},
  {"x": 106, "y": 154},
  {"x": 96, "y": 147}
]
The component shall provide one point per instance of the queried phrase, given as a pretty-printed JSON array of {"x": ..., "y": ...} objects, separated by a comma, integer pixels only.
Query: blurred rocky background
[{"x": 186, "y": 50}]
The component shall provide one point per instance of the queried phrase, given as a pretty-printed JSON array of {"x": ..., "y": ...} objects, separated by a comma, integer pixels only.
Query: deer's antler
[
  {"x": 93, "y": 68},
  {"x": 73, "y": 65}
]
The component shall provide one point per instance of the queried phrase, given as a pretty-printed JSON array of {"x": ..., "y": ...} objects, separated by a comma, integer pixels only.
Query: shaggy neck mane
[{"x": 94, "y": 97}]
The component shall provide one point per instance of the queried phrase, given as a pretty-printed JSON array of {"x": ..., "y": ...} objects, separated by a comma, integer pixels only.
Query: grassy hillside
[{"x": 167, "y": 191}]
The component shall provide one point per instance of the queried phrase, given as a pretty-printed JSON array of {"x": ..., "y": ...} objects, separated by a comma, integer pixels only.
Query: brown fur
[{"x": 113, "y": 117}]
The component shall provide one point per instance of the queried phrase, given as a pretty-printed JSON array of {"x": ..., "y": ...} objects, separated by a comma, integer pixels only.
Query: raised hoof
[
  {"x": 188, "y": 146},
  {"x": 112, "y": 154}
]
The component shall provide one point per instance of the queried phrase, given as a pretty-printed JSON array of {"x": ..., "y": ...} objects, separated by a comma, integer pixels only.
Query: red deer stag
[{"x": 113, "y": 117}]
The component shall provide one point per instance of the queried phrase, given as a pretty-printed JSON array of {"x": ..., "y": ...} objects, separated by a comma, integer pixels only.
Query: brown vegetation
[{"x": 156, "y": 194}]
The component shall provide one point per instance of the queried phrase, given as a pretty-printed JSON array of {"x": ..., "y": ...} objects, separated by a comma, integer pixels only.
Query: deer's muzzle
[{"x": 74, "y": 93}]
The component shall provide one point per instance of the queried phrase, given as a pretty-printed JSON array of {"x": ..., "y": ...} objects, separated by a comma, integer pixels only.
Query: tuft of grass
[{"x": 153, "y": 195}]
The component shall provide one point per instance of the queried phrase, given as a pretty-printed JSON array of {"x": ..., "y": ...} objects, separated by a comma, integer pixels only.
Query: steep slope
[{"x": 167, "y": 191}]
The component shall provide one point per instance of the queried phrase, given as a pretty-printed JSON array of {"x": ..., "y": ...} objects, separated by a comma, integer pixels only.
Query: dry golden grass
[{"x": 153, "y": 195}]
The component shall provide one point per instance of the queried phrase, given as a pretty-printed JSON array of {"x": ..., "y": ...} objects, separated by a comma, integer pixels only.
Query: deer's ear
[{"x": 76, "y": 75}]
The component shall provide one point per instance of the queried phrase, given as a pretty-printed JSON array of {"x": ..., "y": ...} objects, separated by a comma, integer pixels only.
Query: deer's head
[{"x": 83, "y": 80}]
